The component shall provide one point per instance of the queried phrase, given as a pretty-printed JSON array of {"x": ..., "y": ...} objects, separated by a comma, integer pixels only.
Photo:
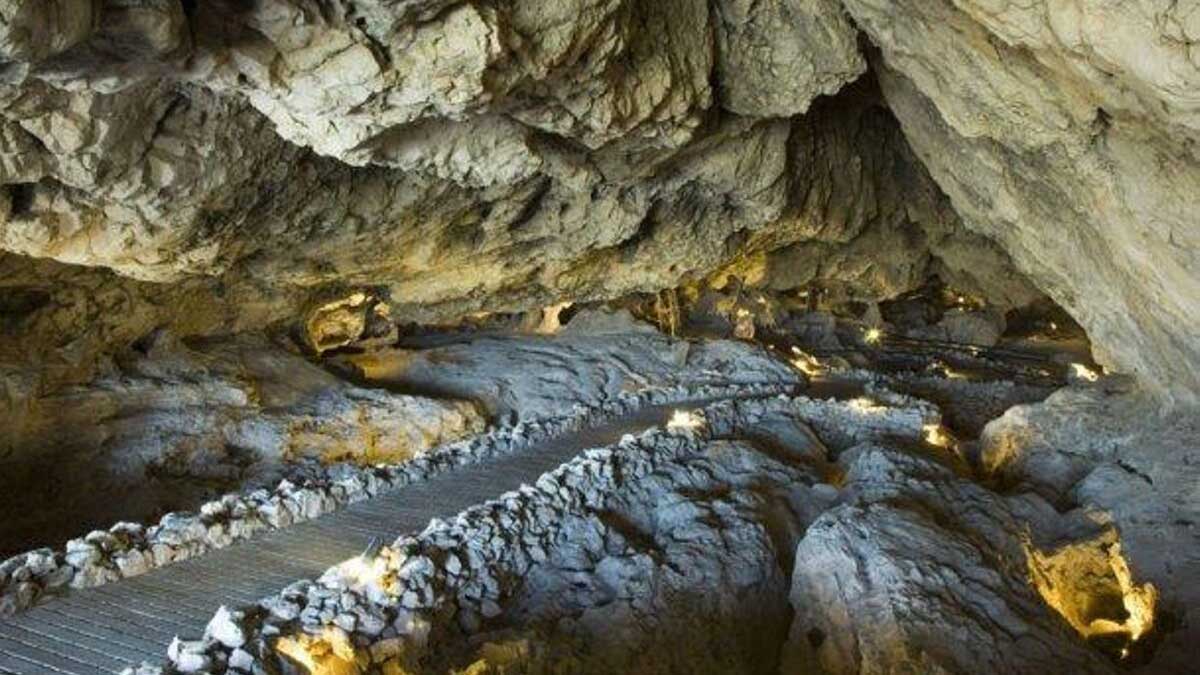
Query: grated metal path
[{"x": 106, "y": 629}]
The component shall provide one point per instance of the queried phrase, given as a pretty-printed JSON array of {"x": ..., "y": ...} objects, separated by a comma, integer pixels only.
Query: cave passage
[{"x": 442, "y": 337}]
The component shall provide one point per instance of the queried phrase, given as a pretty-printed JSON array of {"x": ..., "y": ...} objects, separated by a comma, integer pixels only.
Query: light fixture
[
  {"x": 685, "y": 420},
  {"x": 936, "y": 435},
  {"x": 1084, "y": 373},
  {"x": 1079, "y": 577},
  {"x": 365, "y": 569},
  {"x": 806, "y": 363},
  {"x": 865, "y": 405}
]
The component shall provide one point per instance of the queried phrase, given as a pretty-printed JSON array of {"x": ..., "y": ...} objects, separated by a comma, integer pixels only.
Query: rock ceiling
[{"x": 217, "y": 165}]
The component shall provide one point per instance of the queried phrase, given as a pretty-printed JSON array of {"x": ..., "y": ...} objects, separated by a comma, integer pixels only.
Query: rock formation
[
  {"x": 1067, "y": 133},
  {"x": 249, "y": 160},
  {"x": 1092, "y": 448},
  {"x": 204, "y": 205},
  {"x": 168, "y": 425},
  {"x": 460, "y": 157}
]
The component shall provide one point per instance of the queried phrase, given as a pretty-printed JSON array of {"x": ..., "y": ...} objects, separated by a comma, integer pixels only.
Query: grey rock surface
[
  {"x": 445, "y": 157},
  {"x": 1116, "y": 452},
  {"x": 512, "y": 376},
  {"x": 672, "y": 550},
  {"x": 170, "y": 426},
  {"x": 329, "y": 457},
  {"x": 923, "y": 571},
  {"x": 1067, "y": 134}
]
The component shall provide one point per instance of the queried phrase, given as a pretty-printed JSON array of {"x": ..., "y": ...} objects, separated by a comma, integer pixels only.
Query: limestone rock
[
  {"x": 250, "y": 162},
  {"x": 463, "y": 158},
  {"x": 1117, "y": 452},
  {"x": 1062, "y": 131},
  {"x": 605, "y": 322},
  {"x": 356, "y": 318},
  {"x": 168, "y": 419},
  {"x": 225, "y": 628},
  {"x": 34, "y": 31},
  {"x": 924, "y": 572},
  {"x": 532, "y": 376},
  {"x": 775, "y": 57}
]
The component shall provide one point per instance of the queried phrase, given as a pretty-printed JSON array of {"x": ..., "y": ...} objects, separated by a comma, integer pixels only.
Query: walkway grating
[{"x": 105, "y": 629}]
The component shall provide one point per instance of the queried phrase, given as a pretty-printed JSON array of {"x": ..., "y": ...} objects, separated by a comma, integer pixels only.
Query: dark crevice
[{"x": 21, "y": 197}]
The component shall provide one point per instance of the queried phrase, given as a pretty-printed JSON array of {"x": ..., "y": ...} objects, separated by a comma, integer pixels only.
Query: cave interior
[{"x": 593, "y": 336}]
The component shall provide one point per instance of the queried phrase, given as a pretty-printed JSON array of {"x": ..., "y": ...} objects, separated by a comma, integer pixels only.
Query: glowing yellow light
[
  {"x": 936, "y": 435},
  {"x": 865, "y": 405},
  {"x": 1053, "y": 326},
  {"x": 1139, "y": 601},
  {"x": 742, "y": 313},
  {"x": 550, "y": 322},
  {"x": 806, "y": 363},
  {"x": 953, "y": 374},
  {"x": 873, "y": 336},
  {"x": 329, "y": 653},
  {"x": 366, "y": 571},
  {"x": 1073, "y": 577},
  {"x": 363, "y": 572},
  {"x": 946, "y": 370},
  {"x": 685, "y": 420},
  {"x": 1084, "y": 373}
]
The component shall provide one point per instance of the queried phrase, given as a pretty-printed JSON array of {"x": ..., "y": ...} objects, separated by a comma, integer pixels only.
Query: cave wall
[
  {"x": 1067, "y": 132},
  {"x": 235, "y": 159}
]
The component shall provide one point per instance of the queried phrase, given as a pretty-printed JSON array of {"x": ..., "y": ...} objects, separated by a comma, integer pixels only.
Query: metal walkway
[{"x": 109, "y": 628}]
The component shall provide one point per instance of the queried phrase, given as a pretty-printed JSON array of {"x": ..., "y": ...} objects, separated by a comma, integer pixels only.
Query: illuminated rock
[{"x": 921, "y": 571}]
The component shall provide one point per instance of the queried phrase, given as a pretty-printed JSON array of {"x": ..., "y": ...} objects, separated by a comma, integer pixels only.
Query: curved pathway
[{"x": 112, "y": 627}]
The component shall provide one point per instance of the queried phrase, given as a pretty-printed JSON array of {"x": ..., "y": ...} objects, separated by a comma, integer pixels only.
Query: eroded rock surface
[
  {"x": 590, "y": 362},
  {"x": 448, "y": 158},
  {"x": 671, "y": 551},
  {"x": 171, "y": 425},
  {"x": 1116, "y": 452},
  {"x": 924, "y": 571},
  {"x": 1067, "y": 133},
  {"x": 459, "y": 157},
  {"x": 323, "y": 169}
]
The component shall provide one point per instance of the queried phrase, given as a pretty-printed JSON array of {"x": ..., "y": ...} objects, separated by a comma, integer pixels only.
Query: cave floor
[
  {"x": 110, "y": 628},
  {"x": 901, "y": 456}
]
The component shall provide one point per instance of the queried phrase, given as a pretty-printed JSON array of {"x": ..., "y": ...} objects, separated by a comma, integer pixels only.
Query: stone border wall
[
  {"x": 457, "y": 567},
  {"x": 129, "y": 549}
]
